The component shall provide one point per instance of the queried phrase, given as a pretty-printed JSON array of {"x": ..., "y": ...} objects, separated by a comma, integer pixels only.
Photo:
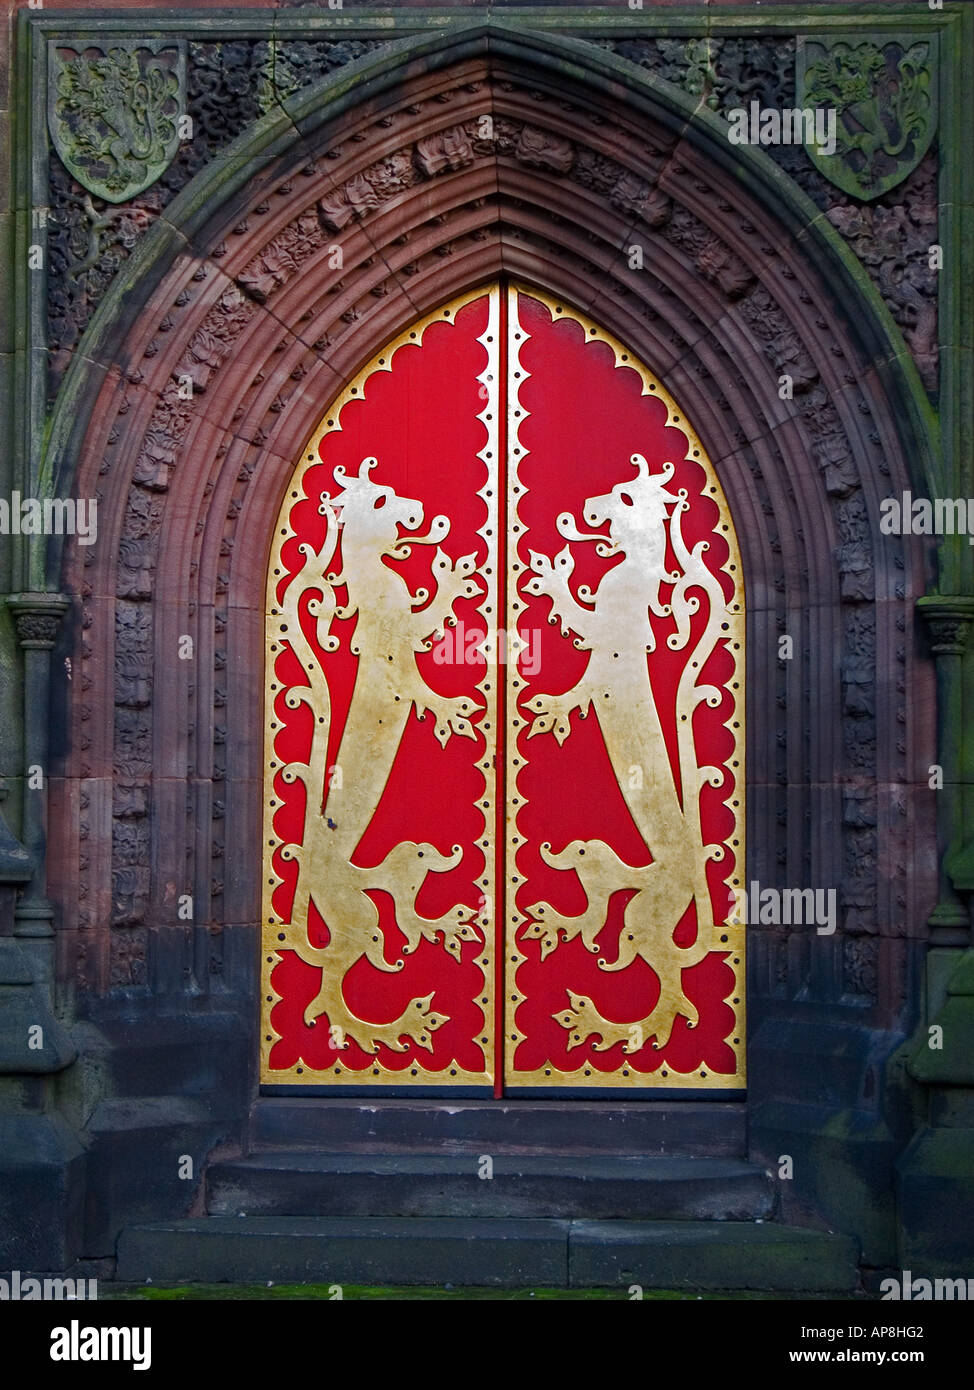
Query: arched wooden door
[{"x": 504, "y": 792}]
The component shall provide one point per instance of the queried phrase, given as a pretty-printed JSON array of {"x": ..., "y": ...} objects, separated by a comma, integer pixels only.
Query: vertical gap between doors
[{"x": 500, "y": 676}]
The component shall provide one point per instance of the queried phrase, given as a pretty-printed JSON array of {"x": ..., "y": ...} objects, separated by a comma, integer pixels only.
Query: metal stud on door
[{"x": 532, "y": 778}]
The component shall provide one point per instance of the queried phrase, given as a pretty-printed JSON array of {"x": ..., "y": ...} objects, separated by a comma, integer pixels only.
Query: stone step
[
  {"x": 707, "y": 1255},
  {"x": 486, "y": 1252},
  {"x": 521, "y": 1186},
  {"x": 690, "y": 1128}
]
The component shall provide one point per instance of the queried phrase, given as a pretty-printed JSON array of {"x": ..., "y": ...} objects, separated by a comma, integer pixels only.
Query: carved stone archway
[{"x": 443, "y": 163}]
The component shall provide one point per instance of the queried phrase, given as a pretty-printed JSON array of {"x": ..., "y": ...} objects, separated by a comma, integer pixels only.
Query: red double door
[{"x": 504, "y": 794}]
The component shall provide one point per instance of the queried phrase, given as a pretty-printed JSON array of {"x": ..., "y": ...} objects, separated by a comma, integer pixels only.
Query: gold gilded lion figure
[
  {"x": 341, "y": 800},
  {"x": 614, "y": 624}
]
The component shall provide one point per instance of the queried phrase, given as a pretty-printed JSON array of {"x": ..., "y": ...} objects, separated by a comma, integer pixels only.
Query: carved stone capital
[
  {"x": 949, "y": 619},
  {"x": 37, "y": 618}
]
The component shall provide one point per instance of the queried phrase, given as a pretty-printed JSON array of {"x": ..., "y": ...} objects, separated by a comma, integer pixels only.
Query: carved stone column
[
  {"x": 37, "y": 618},
  {"x": 949, "y": 619},
  {"x": 935, "y": 1174},
  {"x": 41, "y": 1159}
]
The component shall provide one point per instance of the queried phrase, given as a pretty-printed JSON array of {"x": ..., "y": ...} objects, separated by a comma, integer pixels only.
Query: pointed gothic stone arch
[{"x": 207, "y": 367}]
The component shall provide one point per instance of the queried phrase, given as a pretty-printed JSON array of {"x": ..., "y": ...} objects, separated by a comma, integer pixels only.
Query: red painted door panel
[{"x": 625, "y": 760}]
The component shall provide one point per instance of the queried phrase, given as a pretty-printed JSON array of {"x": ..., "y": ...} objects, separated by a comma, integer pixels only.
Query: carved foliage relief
[
  {"x": 880, "y": 188},
  {"x": 230, "y": 84}
]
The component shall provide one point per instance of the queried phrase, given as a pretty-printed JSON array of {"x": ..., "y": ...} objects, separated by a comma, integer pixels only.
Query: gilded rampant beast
[
  {"x": 614, "y": 623},
  {"x": 392, "y": 626}
]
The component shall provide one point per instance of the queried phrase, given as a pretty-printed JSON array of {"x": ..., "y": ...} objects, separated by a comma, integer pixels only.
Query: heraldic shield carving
[{"x": 504, "y": 789}]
